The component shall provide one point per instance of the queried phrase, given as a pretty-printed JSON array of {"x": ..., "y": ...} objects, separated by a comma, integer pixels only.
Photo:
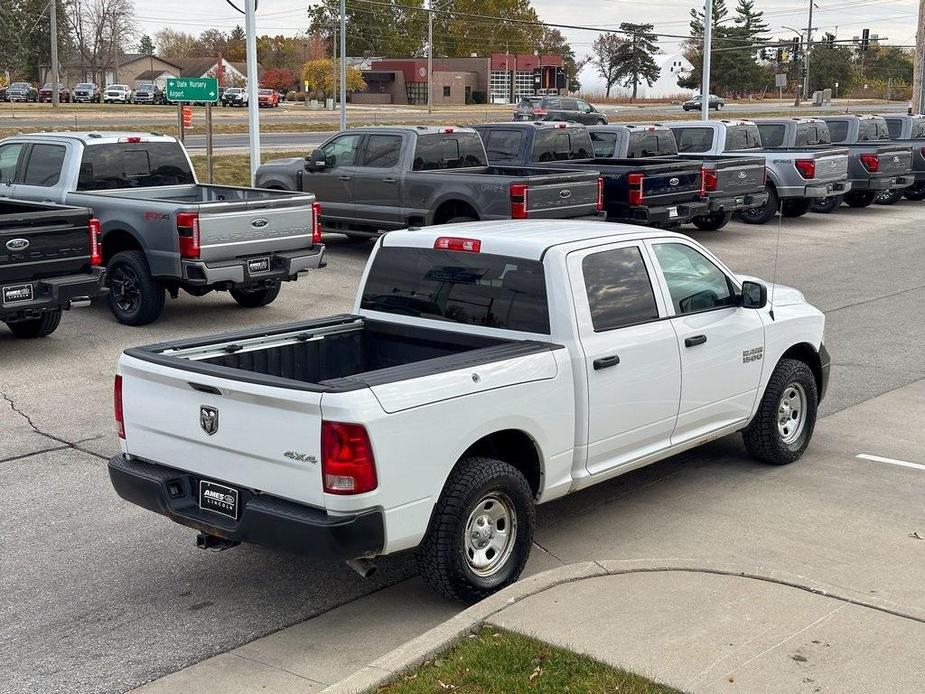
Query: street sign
[
  {"x": 192, "y": 89},
  {"x": 780, "y": 80}
]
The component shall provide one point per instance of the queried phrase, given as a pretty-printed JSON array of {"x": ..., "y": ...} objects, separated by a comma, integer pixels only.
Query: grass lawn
[
  {"x": 499, "y": 662},
  {"x": 234, "y": 169}
]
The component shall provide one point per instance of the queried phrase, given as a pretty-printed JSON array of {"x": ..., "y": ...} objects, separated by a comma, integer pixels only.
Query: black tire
[
  {"x": 460, "y": 220},
  {"x": 915, "y": 192},
  {"x": 135, "y": 297},
  {"x": 42, "y": 326},
  {"x": 764, "y": 213},
  {"x": 828, "y": 205},
  {"x": 795, "y": 207},
  {"x": 443, "y": 558},
  {"x": 255, "y": 298},
  {"x": 889, "y": 197},
  {"x": 712, "y": 222},
  {"x": 763, "y": 437},
  {"x": 860, "y": 198}
]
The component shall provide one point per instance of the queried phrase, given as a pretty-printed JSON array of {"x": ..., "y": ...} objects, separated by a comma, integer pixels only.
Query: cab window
[
  {"x": 895, "y": 126},
  {"x": 503, "y": 145},
  {"x": 651, "y": 143},
  {"x": 773, "y": 135},
  {"x": 694, "y": 139},
  {"x": 382, "y": 151},
  {"x": 743, "y": 137},
  {"x": 838, "y": 130},
  {"x": 342, "y": 151},
  {"x": 9, "y": 157},
  {"x": 604, "y": 144},
  {"x": 619, "y": 289},
  {"x": 44, "y": 167},
  {"x": 448, "y": 151},
  {"x": 694, "y": 282}
]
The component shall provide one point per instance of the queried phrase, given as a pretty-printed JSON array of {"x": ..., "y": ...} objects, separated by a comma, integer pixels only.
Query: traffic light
[
  {"x": 796, "y": 48},
  {"x": 829, "y": 40},
  {"x": 780, "y": 55},
  {"x": 865, "y": 39}
]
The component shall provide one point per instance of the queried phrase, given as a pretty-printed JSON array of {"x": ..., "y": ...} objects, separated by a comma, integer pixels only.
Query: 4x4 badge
[{"x": 208, "y": 419}]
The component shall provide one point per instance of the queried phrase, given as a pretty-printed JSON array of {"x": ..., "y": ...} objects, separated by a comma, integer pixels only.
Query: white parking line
[{"x": 890, "y": 461}]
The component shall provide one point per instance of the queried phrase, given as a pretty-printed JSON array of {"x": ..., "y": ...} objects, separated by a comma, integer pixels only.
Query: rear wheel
[
  {"x": 254, "y": 298},
  {"x": 860, "y": 198},
  {"x": 916, "y": 192},
  {"x": 135, "y": 297},
  {"x": 889, "y": 197},
  {"x": 712, "y": 222},
  {"x": 764, "y": 213},
  {"x": 828, "y": 205},
  {"x": 795, "y": 207},
  {"x": 481, "y": 530},
  {"x": 44, "y": 325}
]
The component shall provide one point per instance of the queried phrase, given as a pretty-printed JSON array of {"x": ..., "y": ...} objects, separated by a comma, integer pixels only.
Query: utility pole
[
  {"x": 918, "y": 88},
  {"x": 430, "y": 56},
  {"x": 343, "y": 65},
  {"x": 707, "y": 49},
  {"x": 53, "y": 19},
  {"x": 809, "y": 47},
  {"x": 334, "y": 68},
  {"x": 253, "y": 105}
]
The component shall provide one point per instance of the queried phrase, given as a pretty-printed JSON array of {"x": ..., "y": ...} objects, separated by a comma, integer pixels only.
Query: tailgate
[
  {"x": 665, "y": 188},
  {"x": 227, "y": 234},
  {"x": 562, "y": 199},
  {"x": 895, "y": 160},
  {"x": 738, "y": 177},
  {"x": 42, "y": 244},
  {"x": 831, "y": 167},
  {"x": 227, "y": 430}
]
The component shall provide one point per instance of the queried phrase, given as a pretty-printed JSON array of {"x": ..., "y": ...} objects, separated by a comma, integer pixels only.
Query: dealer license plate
[
  {"x": 218, "y": 498},
  {"x": 17, "y": 293},
  {"x": 258, "y": 265}
]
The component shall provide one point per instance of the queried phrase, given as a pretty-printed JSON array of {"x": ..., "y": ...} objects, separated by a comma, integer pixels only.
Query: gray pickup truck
[
  {"x": 910, "y": 130},
  {"x": 370, "y": 180},
  {"x": 730, "y": 184},
  {"x": 796, "y": 176},
  {"x": 163, "y": 231}
]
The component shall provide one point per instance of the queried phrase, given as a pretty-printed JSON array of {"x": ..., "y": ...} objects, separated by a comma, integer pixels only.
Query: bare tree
[
  {"x": 607, "y": 48},
  {"x": 102, "y": 30}
]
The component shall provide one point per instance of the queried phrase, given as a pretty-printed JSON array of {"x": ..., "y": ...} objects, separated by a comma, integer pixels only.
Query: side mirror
[
  {"x": 754, "y": 295},
  {"x": 316, "y": 161}
]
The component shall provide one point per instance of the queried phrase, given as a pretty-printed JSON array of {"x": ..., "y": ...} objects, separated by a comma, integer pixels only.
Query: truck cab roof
[{"x": 97, "y": 138}]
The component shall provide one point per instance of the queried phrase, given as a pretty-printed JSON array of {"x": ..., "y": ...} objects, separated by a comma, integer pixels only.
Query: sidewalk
[{"x": 706, "y": 629}]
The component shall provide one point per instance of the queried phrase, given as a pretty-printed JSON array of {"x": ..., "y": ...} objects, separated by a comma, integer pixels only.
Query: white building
[{"x": 673, "y": 67}]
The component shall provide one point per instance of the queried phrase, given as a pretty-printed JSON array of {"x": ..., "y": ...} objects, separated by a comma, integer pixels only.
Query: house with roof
[
  {"x": 229, "y": 74},
  {"x": 127, "y": 70}
]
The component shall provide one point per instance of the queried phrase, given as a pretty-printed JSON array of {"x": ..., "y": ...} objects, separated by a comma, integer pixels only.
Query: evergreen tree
[
  {"x": 634, "y": 56},
  {"x": 751, "y": 21},
  {"x": 146, "y": 45}
]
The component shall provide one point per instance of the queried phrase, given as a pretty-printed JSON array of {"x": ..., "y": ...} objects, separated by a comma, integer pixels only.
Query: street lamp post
[
  {"x": 800, "y": 85},
  {"x": 707, "y": 49}
]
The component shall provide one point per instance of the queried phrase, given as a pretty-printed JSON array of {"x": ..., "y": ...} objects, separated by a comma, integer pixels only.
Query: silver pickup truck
[
  {"x": 796, "y": 177},
  {"x": 162, "y": 230}
]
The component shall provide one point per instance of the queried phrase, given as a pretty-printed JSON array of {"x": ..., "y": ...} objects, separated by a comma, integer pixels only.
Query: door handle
[
  {"x": 605, "y": 362},
  {"x": 343, "y": 178},
  {"x": 695, "y": 340},
  {"x": 389, "y": 180}
]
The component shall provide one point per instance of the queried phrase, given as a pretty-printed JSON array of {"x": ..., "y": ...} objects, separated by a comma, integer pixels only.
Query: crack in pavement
[{"x": 65, "y": 443}]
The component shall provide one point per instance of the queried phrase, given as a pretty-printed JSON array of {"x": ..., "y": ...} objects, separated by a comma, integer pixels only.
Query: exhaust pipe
[
  {"x": 80, "y": 302},
  {"x": 364, "y": 567},
  {"x": 216, "y": 544}
]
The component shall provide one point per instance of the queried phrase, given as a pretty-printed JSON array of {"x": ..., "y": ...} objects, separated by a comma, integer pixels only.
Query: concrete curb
[{"x": 441, "y": 637}]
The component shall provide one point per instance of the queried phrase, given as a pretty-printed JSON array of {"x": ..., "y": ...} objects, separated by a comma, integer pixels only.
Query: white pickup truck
[{"x": 487, "y": 367}]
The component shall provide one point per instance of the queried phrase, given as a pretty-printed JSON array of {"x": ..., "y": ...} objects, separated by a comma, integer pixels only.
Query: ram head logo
[{"x": 208, "y": 419}]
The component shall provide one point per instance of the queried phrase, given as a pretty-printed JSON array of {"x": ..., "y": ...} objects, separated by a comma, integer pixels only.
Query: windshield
[
  {"x": 265, "y": 92},
  {"x": 124, "y": 165},
  {"x": 86, "y": 85},
  {"x": 491, "y": 291},
  {"x": 146, "y": 86},
  {"x": 20, "y": 85},
  {"x": 233, "y": 90}
]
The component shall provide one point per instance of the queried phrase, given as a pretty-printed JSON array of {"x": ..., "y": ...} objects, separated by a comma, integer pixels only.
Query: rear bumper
[
  {"x": 57, "y": 292},
  {"x": 263, "y": 520},
  {"x": 884, "y": 182},
  {"x": 738, "y": 202},
  {"x": 284, "y": 265},
  {"x": 665, "y": 215},
  {"x": 817, "y": 191}
]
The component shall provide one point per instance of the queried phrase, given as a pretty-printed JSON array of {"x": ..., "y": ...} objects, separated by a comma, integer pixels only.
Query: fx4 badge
[
  {"x": 301, "y": 457},
  {"x": 753, "y": 354},
  {"x": 208, "y": 419}
]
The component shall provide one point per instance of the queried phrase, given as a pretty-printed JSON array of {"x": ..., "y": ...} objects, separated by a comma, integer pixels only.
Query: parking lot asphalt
[{"x": 99, "y": 596}]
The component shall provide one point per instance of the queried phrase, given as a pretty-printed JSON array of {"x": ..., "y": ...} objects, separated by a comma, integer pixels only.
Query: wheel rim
[
  {"x": 754, "y": 212},
  {"x": 124, "y": 289},
  {"x": 490, "y": 534},
  {"x": 791, "y": 413}
]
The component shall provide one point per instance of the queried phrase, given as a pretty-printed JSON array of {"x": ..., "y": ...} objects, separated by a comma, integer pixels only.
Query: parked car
[
  {"x": 163, "y": 231},
  {"x": 654, "y": 192},
  {"x": 87, "y": 92},
  {"x": 370, "y": 180},
  {"x": 267, "y": 98},
  {"x": 560, "y": 108},
  {"x": 22, "y": 91},
  {"x": 696, "y": 103},
  {"x": 796, "y": 176},
  {"x": 50, "y": 260},
  {"x": 234, "y": 96},
  {"x": 909, "y": 129},
  {"x": 486, "y": 368},
  {"x": 4, "y": 93},
  {"x": 149, "y": 93},
  {"x": 731, "y": 184},
  {"x": 118, "y": 94},
  {"x": 46, "y": 93}
]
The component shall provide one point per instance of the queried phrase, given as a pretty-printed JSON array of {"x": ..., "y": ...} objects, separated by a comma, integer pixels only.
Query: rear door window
[
  {"x": 694, "y": 139},
  {"x": 492, "y": 291},
  {"x": 448, "y": 151},
  {"x": 503, "y": 145},
  {"x": 133, "y": 165},
  {"x": 382, "y": 151},
  {"x": 619, "y": 289},
  {"x": 44, "y": 166},
  {"x": 773, "y": 135},
  {"x": 743, "y": 137},
  {"x": 9, "y": 158},
  {"x": 838, "y": 130}
]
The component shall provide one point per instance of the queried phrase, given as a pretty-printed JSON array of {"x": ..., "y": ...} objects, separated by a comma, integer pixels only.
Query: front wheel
[
  {"x": 42, "y": 326},
  {"x": 783, "y": 426},
  {"x": 135, "y": 297},
  {"x": 860, "y": 198},
  {"x": 480, "y": 532},
  {"x": 763, "y": 213},
  {"x": 889, "y": 197},
  {"x": 915, "y": 192},
  {"x": 254, "y": 298},
  {"x": 795, "y": 207},
  {"x": 828, "y": 205},
  {"x": 713, "y": 221}
]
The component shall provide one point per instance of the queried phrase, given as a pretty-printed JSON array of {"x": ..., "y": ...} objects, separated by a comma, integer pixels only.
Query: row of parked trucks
[{"x": 145, "y": 219}]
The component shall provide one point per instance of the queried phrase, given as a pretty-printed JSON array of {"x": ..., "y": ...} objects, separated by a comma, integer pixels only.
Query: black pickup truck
[
  {"x": 731, "y": 184},
  {"x": 50, "y": 260},
  {"x": 655, "y": 193}
]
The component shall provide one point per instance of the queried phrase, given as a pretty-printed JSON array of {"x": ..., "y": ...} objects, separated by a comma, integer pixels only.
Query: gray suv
[{"x": 560, "y": 108}]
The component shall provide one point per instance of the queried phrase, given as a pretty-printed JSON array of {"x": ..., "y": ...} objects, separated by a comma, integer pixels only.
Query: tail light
[
  {"x": 117, "y": 406},
  {"x": 539, "y": 112},
  {"x": 871, "y": 162},
  {"x": 922, "y": 152},
  {"x": 637, "y": 195},
  {"x": 316, "y": 222},
  {"x": 518, "y": 201},
  {"x": 188, "y": 231},
  {"x": 453, "y": 243},
  {"x": 444, "y": 131},
  {"x": 600, "y": 194},
  {"x": 710, "y": 182},
  {"x": 95, "y": 232},
  {"x": 806, "y": 167},
  {"x": 347, "y": 462}
]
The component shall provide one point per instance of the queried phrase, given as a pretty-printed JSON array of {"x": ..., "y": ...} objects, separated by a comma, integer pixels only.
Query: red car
[
  {"x": 267, "y": 98},
  {"x": 46, "y": 93}
]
